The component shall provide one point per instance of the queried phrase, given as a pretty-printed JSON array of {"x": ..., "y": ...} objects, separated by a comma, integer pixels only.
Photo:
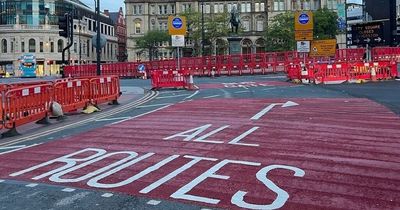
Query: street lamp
[
  {"x": 98, "y": 49},
  {"x": 202, "y": 28}
]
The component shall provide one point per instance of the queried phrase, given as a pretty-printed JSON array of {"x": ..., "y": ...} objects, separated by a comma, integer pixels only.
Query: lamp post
[
  {"x": 202, "y": 28},
  {"x": 98, "y": 49}
]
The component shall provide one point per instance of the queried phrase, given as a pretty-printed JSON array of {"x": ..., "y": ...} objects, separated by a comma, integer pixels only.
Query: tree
[
  {"x": 150, "y": 41},
  {"x": 215, "y": 26},
  {"x": 325, "y": 24},
  {"x": 280, "y": 33}
]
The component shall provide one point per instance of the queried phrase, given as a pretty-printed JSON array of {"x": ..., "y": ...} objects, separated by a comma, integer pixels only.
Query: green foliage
[
  {"x": 280, "y": 33},
  {"x": 150, "y": 41},
  {"x": 215, "y": 26},
  {"x": 325, "y": 24}
]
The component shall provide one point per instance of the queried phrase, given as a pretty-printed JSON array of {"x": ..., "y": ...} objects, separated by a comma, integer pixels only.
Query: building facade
[
  {"x": 31, "y": 26},
  {"x": 120, "y": 28},
  {"x": 145, "y": 15}
]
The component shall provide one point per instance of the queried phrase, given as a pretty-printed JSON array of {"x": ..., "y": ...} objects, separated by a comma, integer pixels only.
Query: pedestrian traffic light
[{"x": 63, "y": 24}]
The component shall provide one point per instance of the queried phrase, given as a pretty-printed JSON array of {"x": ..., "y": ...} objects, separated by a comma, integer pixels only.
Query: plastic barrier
[
  {"x": 104, "y": 89},
  {"x": 170, "y": 79},
  {"x": 26, "y": 104},
  {"x": 72, "y": 94}
]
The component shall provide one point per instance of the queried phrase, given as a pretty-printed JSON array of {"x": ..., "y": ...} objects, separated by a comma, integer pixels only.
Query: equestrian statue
[{"x": 235, "y": 20}]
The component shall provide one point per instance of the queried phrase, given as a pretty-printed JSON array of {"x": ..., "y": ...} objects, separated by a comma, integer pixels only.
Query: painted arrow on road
[{"x": 271, "y": 106}]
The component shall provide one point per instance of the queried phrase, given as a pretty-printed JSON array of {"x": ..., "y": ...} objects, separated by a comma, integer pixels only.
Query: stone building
[
  {"x": 145, "y": 15},
  {"x": 120, "y": 28},
  {"x": 31, "y": 26}
]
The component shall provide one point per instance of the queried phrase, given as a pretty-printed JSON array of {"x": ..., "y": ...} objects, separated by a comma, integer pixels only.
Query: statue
[{"x": 235, "y": 20}]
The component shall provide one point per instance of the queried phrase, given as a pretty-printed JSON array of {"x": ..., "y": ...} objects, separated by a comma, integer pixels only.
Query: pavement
[{"x": 252, "y": 142}]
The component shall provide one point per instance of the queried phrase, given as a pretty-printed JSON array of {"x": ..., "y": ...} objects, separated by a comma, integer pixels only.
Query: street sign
[
  {"x": 303, "y": 21},
  {"x": 178, "y": 40},
  {"x": 141, "y": 68},
  {"x": 323, "y": 48},
  {"x": 303, "y": 46},
  {"x": 177, "y": 25},
  {"x": 103, "y": 41},
  {"x": 304, "y": 35},
  {"x": 368, "y": 33}
]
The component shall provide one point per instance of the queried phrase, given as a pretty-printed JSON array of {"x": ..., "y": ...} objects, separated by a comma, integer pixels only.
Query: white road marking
[
  {"x": 191, "y": 96},
  {"x": 140, "y": 115},
  {"x": 31, "y": 185},
  {"x": 173, "y": 96},
  {"x": 111, "y": 119},
  {"x": 269, "y": 89},
  {"x": 1, "y": 180},
  {"x": 245, "y": 91},
  {"x": 270, "y": 107},
  {"x": 174, "y": 91},
  {"x": 153, "y": 105},
  {"x": 18, "y": 148},
  {"x": 153, "y": 202},
  {"x": 68, "y": 190},
  {"x": 107, "y": 195},
  {"x": 214, "y": 96}
]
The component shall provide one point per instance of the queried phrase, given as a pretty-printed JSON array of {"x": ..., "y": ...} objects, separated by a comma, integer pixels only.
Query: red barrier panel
[
  {"x": 73, "y": 94},
  {"x": 104, "y": 89},
  {"x": 26, "y": 104},
  {"x": 170, "y": 79}
]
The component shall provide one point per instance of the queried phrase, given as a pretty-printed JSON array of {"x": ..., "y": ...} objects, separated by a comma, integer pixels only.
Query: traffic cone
[
  {"x": 373, "y": 74},
  {"x": 191, "y": 85}
]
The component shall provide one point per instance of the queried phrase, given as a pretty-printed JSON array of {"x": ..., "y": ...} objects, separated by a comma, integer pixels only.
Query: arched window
[
  {"x": 60, "y": 45},
  {"x": 138, "y": 26},
  {"x": 4, "y": 46},
  {"x": 246, "y": 46},
  {"x": 260, "y": 45},
  {"x": 32, "y": 45}
]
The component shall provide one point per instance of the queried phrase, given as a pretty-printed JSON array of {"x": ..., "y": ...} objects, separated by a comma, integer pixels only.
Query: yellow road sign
[
  {"x": 177, "y": 25},
  {"x": 304, "y": 35},
  {"x": 303, "y": 20},
  {"x": 323, "y": 48}
]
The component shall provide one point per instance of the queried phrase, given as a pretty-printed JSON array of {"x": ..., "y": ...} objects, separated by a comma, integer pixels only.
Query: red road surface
[{"x": 348, "y": 150}]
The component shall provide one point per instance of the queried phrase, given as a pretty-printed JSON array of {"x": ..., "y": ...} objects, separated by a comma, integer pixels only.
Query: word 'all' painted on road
[{"x": 234, "y": 154}]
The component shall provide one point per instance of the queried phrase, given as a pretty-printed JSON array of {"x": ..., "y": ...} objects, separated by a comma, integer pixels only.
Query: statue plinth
[{"x": 234, "y": 44}]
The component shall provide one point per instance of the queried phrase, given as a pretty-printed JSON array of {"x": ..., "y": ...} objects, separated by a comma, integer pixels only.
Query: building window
[
  {"x": 12, "y": 47},
  {"x": 207, "y": 8},
  {"x": 32, "y": 45},
  {"x": 4, "y": 46},
  {"x": 75, "y": 48},
  {"x": 172, "y": 9},
  {"x": 259, "y": 7},
  {"x": 51, "y": 46},
  {"x": 138, "y": 27},
  {"x": 245, "y": 7},
  {"x": 41, "y": 47},
  {"x": 279, "y": 5},
  {"x": 137, "y": 9},
  {"x": 152, "y": 9},
  {"x": 87, "y": 48},
  {"x": 90, "y": 25},
  {"x": 306, "y": 5},
  {"x": 60, "y": 45},
  {"x": 331, "y": 4},
  {"x": 246, "y": 25},
  {"x": 260, "y": 25},
  {"x": 186, "y": 7}
]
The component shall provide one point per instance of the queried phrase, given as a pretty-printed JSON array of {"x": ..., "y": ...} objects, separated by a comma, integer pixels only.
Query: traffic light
[{"x": 63, "y": 25}]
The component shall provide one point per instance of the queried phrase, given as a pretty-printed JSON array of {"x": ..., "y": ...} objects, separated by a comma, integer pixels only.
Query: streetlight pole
[
  {"x": 202, "y": 28},
  {"x": 98, "y": 49}
]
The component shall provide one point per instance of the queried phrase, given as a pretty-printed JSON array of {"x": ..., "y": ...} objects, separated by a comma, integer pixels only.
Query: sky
[{"x": 112, "y": 5}]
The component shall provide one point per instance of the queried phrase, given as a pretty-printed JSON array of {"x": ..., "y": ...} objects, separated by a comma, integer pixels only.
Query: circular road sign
[
  {"x": 177, "y": 23},
  {"x": 303, "y": 18},
  {"x": 141, "y": 67}
]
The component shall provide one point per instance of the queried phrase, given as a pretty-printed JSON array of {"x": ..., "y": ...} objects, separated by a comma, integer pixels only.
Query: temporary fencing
[
  {"x": 28, "y": 102},
  {"x": 170, "y": 79},
  {"x": 343, "y": 71}
]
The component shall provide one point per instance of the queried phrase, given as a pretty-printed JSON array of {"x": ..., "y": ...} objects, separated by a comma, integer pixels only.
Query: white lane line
[
  {"x": 174, "y": 91},
  {"x": 153, "y": 105},
  {"x": 191, "y": 96},
  {"x": 18, "y": 149},
  {"x": 153, "y": 202},
  {"x": 111, "y": 119},
  {"x": 68, "y": 190},
  {"x": 107, "y": 195},
  {"x": 31, "y": 185},
  {"x": 269, "y": 89},
  {"x": 245, "y": 91},
  {"x": 140, "y": 115},
  {"x": 1, "y": 180},
  {"x": 12, "y": 147},
  {"x": 173, "y": 96},
  {"x": 263, "y": 112},
  {"x": 214, "y": 96}
]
